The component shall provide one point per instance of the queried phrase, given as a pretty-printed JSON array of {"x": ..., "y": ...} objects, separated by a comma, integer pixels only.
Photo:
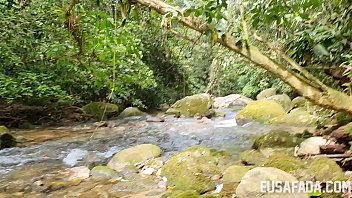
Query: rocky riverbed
[
  {"x": 142, "y": 155},
  {"x": 48, "y": 152}
]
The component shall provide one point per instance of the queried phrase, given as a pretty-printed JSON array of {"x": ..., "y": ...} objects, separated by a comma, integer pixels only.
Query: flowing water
[{"x": 47, "y": 150}]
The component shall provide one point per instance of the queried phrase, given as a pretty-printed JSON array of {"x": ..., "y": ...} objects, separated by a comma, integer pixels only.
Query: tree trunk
[{"x": 322, "y": 96}]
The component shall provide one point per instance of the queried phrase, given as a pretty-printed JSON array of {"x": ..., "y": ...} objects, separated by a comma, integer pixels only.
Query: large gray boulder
[
  {"x": 194, "y": 169},
  {"x": 251, "y": 182},
  {"x": 231, "y": 101},
  {"x": 311, "y": 146}
]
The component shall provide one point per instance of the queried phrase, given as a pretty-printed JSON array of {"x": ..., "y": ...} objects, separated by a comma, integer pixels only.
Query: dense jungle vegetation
[{"x": 60, "y": 53}]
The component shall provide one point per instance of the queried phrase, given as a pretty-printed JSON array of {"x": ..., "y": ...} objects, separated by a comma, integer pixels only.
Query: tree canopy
[{"x": 74, "y": 52}]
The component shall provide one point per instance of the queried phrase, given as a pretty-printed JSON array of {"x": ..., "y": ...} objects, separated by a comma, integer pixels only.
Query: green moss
[
  {"x": 348, "y": 129},
  {"x": 193, "y": 168},
  {"x": 301, "y": 117},
  {"x": 285, "y": 162},
  {"x": 189, "y": 106},
  {"x": 252, "y": 157},
  {"x": 276, "y": 138},
  {"x": 134, "y": 155},
  {"x": 284, "y": 100},
  {"x": 185, "y": 194},
  {"x": 232, "y": 177},
  {"x": 343, "y": 118},
  {"x": 325, "y": 169},
  {"x": 262, "y": 111},
  {"x": 3, "y": 129}
]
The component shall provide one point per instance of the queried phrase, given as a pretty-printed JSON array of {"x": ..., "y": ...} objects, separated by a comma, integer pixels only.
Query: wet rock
[
  {"x": 275, "y": 139},
  {"x": 75, "y": 156},
  {"x": 101, "y": 124},
  {"x": 101, "y": 109},
  {"x": 148, "y": 171},
  {"x": 155, "y": 163},
  {"x": 129, "y": 112},
  {"x": 133, "y": 156},
  {"x": 205, "y": 120},
  {"x": 193, "y": 169},
  {"x": 191, "y": 105},
  {"x": 261, "y": 111},
  {"x": 266, "y": 93},
  {"x": 250, "y": 185},
  {"x": 232, "y": 177},
  {"x": 252, "y": 157},
  {"x": 311, "y": 146},
  {"x": 231, "y": 101},
  {"x": 158, "y": 118},
  {"x": 103, "y": 172},
  {"x": 7, "y": 140},
  {"x": 137, "y": 183},
  {"x": 79, "y": 173},
  {"x": 283, "y": 99}
]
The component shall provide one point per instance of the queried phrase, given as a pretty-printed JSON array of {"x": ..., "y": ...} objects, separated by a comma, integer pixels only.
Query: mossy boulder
[
  {"x": 129, "y": 112},
  {"x": 325, "y": 169},
  {"x": 285, "y": 162},
  {"x": 300, "y": 102},
  {"x": 103, "y": 172},
  {"x": 282, "y": 99},
  {"x": 276, "y": 139},
  {"x": 194, "y": 168},
  {"x": 261, "y": 111},
  {"x": 252, "y": 157},
  {"x": 266, "y": 93},
  {"x": 230, "y": 101},
  {"x": 201, "y": 104},
  {"x": 101, "y": 109},
  {"x": 301, "y": 117},
  {"x": 232, "y": 177},
  {"x": 7, "y": 140},
  {"x": 133, "y": 156},
  {"x": 3, "y": 129},
  {"x": 251, "y": 183}
]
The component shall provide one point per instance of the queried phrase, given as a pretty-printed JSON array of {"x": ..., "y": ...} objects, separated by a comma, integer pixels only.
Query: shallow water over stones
[{"x": 48, "y": 150}]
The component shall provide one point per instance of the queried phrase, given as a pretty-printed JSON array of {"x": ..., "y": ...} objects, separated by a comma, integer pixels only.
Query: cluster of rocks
[
  {"x": 203, "y": 172},
  {"x": 275, "y": 108}
]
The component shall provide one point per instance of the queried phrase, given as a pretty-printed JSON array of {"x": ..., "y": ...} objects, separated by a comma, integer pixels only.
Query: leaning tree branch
[{"x": 328, "y": 98}]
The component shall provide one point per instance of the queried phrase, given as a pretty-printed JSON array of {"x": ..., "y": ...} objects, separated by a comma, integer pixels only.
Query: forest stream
[{"x": 48, "y": 151}]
